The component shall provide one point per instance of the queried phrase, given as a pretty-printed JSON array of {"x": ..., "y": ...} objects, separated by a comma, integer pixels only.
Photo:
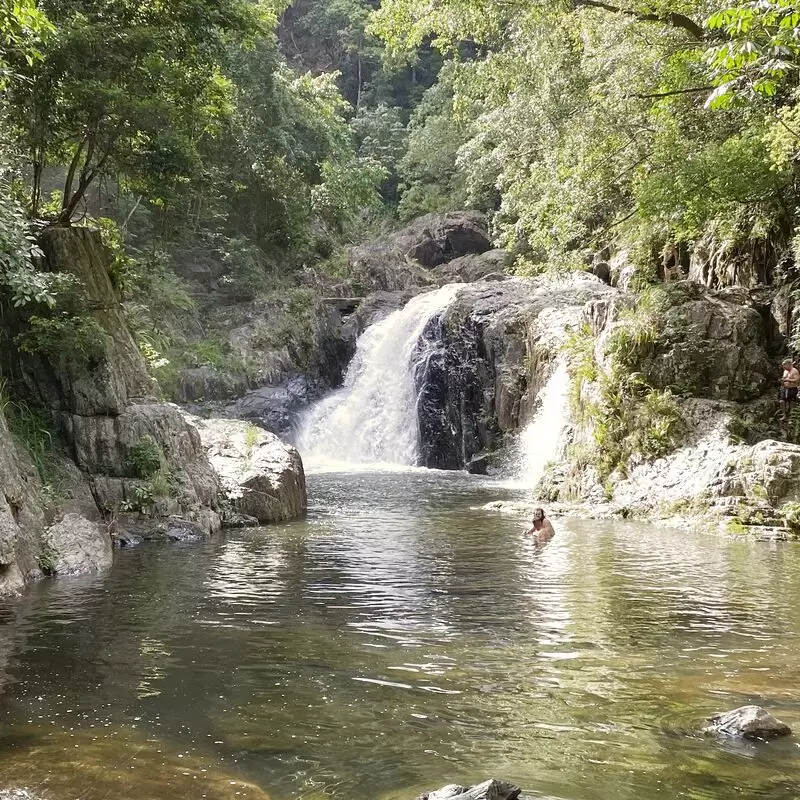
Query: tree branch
[
  {"x": 672, "y": 18},
  {"x": 673, "y": 92}
]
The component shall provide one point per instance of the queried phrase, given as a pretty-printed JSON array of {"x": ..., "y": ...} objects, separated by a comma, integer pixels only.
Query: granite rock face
[
  {"x": 105, "y": 408},
  {"x": 483, "y": 361},
  {"x": 102, "y": 405},
  {"x": 705, "y": 344},
  {"x": 105, "y": 385},
  {"x": 22, "y": 519}
]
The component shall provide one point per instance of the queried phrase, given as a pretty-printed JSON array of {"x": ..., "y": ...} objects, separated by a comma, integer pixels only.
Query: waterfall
[
  {"x": 373, "y": 418},
  {"x": 540, "y": 440}
]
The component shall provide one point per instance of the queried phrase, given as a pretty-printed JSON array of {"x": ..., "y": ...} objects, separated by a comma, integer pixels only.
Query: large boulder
[
  {"x": 702, "y": 344},
  {"x": 110, "y": 449},
  {"x": 262, "y": 476},
  {"x": 769, "y": 470},
  {"x": 74, "y": 546},
  {"x": 405, "y": 258},
  {"x": 473, "y": 267},
  {"x": 276, "y": 408}
]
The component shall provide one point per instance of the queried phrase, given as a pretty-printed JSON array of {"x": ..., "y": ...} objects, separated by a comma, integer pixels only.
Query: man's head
[
  {"x": 538, "y": 514},
  {"x": 787, "y": 363}
]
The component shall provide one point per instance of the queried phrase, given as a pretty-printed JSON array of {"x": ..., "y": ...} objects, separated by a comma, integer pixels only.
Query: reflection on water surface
[{"x": 399, "y": 639}]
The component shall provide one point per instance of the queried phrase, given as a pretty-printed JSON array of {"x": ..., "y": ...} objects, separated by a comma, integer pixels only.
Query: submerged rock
[
  {"x": 262, "y": 476},
  {"x": 748, "y": 722},
  {"x": 118, "y": 763},
  {"x": 488, "y": 790}
]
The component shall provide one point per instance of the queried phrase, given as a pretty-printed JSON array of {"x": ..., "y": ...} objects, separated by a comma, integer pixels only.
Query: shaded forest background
[{"x": 268, "y": 137}]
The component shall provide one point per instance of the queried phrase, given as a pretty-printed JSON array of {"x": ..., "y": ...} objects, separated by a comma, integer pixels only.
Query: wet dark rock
[
  {"x": 488, "y": 790},
  {"x": 748, "y": 722},
  {"x": 478, "y": 465},
  {"x": 232, "y": 519},
  {"x": 183, "y": 530},
  {"x": 125, "y": 539},
  {"x": 482, "y": 362},
  {"x": 602, "y": 271},
  {"x": 277, "y": 408}
]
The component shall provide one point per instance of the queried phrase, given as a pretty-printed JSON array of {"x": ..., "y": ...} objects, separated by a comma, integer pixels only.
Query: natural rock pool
[{"x": 399, "y": 639}]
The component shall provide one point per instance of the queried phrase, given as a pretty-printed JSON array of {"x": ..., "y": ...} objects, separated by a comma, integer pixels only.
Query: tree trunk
[
  {"x": 73, "y": 166},
  {"x": 36, "y": 190},
  {"x": 358, "y": 94}
]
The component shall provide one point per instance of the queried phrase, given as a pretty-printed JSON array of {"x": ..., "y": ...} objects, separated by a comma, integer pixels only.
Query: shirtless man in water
[{"x": 542, "y": 530}]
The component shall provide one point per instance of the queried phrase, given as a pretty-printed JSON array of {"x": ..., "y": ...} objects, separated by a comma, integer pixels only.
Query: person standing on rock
[
  {"x": 542, "y": 530},
  {"x": 790, "y": 382}
]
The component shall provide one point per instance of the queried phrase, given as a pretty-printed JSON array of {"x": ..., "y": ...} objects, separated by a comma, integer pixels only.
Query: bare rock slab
[
  {"x": 488, "y": 790},
  {"x": 748, "y": 722},
  {"x": 261, "y": 475}
]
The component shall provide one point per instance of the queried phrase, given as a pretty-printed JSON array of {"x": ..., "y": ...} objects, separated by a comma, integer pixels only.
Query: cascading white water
[
  {"x": 373, "y": 417},
  {"x": 540, "y": 439}
]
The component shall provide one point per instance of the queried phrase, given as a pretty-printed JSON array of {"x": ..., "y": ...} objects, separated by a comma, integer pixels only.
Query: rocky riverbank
[{"x": 103, "y": 460}]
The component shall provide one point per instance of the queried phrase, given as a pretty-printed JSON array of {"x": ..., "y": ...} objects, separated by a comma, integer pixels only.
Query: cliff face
[
  {"x": 105, "y": 406},
  {"x": 486, "y": 359},
  {"x": 22, "y": 520},
  {"x": 131, "y": 463}
]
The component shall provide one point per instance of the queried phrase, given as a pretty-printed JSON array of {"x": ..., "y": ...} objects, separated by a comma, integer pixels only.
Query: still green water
[{"x": 399, "y": 639}]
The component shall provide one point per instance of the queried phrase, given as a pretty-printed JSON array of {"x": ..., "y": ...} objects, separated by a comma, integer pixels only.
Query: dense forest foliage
[{"x": 272, "y": 134}]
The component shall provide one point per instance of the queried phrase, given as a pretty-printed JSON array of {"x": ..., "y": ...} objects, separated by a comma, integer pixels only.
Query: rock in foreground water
[
  {"x": 748, "y": 722},
  {"x": 488, "y": 790}
]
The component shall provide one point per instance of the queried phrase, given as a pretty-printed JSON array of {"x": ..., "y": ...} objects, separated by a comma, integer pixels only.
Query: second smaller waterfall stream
[
  {"x": 539, "y": 441},
  {"x": 372, "y": 419}
]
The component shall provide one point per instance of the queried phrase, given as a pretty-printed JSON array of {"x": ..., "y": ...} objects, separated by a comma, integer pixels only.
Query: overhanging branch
[{"x": 671, "y": 18}]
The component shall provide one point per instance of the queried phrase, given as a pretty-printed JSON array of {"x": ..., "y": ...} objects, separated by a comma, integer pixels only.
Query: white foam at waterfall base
[
  {"x": 540, "y": 440},
  {"x": 372, "y": 419}
]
